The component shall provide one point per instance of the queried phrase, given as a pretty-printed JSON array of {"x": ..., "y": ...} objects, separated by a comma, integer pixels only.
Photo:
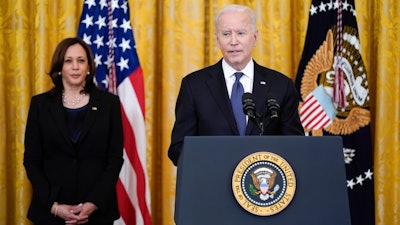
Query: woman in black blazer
[{"x": 73, "y": 144}]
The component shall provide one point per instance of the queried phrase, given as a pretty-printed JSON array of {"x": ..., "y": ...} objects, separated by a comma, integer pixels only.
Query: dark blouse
[{"x": 75, "y": 119}]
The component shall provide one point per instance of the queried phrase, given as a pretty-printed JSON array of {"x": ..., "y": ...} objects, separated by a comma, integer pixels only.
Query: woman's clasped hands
[{"x": 74, "y": 214}]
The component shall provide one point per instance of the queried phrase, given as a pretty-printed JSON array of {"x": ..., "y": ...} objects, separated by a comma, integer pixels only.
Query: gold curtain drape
[{"x": 174, "y": 38}]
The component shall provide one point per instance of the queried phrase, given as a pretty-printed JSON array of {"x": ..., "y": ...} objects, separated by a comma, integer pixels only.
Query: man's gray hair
[{"x": 236, "y": 8}]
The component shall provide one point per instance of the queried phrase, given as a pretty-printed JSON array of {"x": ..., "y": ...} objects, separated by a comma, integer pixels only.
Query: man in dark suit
[{"x": 204, "y": 107}]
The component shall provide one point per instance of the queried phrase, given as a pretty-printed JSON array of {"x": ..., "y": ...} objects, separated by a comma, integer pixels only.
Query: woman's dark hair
[{"x": 58, "y": 61}]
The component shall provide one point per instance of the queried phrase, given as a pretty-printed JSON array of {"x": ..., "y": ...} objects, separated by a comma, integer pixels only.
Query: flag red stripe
[
  {"x": 322, "y": 119},
  {"x": 309, "y": 98},
  {"x": 307, "y": 125},
  {"x": 306, "y": 112},
  {"x": 132, "y": 153},
  {"x": 308, "y": 107},
  {"x": 125, "y": 206},
  {"x": 136, "y": 79}
]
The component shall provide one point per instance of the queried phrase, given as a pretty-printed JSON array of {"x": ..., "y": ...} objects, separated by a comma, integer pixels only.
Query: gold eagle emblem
[
  {"x": 263, "y": 180},
  {"x": 355, "y": 116}
]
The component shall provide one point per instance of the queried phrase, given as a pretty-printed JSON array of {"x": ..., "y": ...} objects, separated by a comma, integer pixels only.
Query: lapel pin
[
  {"x": 263, "y": 82},
  {"x": 94, "y": 108}
]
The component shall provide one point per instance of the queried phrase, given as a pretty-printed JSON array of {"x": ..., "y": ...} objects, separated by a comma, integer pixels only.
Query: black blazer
[
  {"x": 68, "y": 173},
  {"x": 203, "y": 106}
]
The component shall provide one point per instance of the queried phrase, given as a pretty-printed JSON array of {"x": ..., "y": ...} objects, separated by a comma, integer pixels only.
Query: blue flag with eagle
[{"x": 331, "y": 65}]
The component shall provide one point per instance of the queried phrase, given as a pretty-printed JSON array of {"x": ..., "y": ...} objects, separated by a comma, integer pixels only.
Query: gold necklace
[{"x": 74, "y": 101}]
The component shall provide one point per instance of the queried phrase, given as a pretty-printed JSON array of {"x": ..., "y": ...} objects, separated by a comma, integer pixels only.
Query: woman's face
[{"x": 75, "y": 66}]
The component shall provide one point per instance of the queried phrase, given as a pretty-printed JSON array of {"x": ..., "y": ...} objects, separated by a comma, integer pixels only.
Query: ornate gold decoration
[
  {"x": 357, "y": 118},
  {"x": 322, "y": 62},
  {"x": 255, "y": 187}
]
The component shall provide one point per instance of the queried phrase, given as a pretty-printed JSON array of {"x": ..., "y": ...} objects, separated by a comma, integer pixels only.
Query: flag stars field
[
  {"x": 88, "y": 21},
  {"x": 101, "y": 42},
  {"x": 101, "y": 22},
  {"x": 322, "y": 7},
  {"x": 126, "y": 25},
  {"x": 125, "y": 44},
  {"x": 360, "y": 179},
  {"x": 123, "y": 63}
]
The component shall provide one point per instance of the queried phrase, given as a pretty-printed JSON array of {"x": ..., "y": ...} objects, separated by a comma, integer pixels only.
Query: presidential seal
[{"x": 263, "y": 183}]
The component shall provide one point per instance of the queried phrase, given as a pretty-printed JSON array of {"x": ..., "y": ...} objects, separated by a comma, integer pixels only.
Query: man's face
[{"x": 236, "y": 38}]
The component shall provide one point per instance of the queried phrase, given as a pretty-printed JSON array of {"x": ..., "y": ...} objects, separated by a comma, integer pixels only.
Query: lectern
[{"x": 205, "y": 195}]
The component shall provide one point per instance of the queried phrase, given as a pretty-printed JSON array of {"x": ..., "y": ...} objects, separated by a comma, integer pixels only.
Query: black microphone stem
[{"x": 261, "y": 127}]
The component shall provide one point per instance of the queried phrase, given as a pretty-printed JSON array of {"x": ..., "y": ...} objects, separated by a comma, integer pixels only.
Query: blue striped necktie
[{"x": 236, "y": 101}]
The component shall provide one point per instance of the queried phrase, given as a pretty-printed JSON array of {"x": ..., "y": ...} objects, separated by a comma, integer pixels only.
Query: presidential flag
[
  {"x": 332, "y": 58},
  {"x": 105, "y": 25}
]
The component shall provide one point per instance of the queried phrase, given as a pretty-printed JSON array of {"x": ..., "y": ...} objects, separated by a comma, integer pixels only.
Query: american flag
[{"x": 105, "y": 25}]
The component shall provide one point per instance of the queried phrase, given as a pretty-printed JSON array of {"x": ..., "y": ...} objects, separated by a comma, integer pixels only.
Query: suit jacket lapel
[
  {"x": 91, "y": 116},
  {"x": 57, "y": 112},
  {"x": 261, "y": 84},
  {"x": 217, "y": 87}
]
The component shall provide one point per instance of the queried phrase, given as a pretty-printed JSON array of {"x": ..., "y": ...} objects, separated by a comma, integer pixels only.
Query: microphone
[
  {"x": 249, "y": 107},
  {"x": 272, "y": 108}
]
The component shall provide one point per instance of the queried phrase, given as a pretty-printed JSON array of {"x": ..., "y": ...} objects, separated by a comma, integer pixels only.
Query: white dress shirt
[{"x": 246, "y": 79}]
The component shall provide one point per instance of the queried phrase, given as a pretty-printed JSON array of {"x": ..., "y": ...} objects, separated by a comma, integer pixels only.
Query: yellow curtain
[{"x": 174, "y": 38}]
